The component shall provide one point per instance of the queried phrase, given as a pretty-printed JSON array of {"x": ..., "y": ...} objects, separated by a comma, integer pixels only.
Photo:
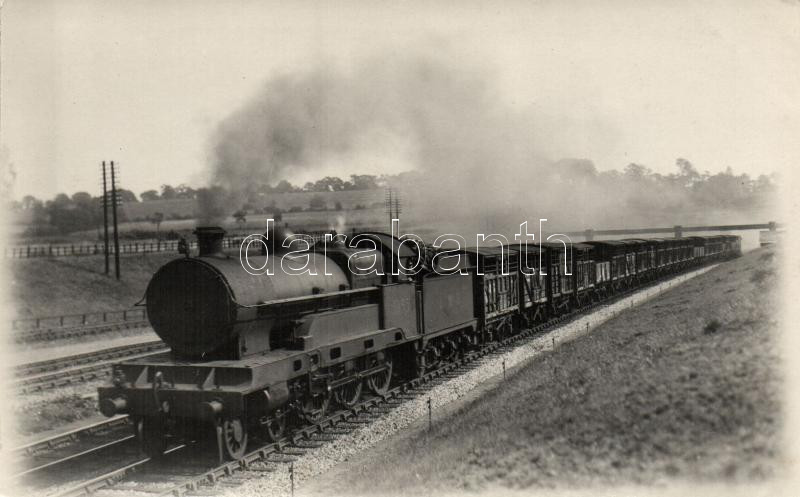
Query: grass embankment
[
  {"x": 684, "y": 386},
  {"x": 50, "y": 414},
  {"x": 73, "y": 285}
]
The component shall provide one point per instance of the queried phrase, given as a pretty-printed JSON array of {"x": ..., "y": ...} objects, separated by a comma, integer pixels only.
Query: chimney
[
  {"x": 274, "y": 239},
  {"x": 209, "y": 241}
]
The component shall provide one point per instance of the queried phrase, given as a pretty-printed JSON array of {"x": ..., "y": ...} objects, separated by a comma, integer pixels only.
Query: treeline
[
  {"x": 182, "y": 191},
  {"x": 64, "y": 214},
  {"x": 67, "y": 214},
  {"x": 326, "y": 184},
  {"x": 637, "y": 186}
]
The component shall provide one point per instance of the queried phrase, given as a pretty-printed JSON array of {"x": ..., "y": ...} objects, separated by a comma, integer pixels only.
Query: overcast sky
[{"x": 146, "y": 83}]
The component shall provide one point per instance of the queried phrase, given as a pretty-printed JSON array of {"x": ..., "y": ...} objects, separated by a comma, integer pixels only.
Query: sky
[{"x": 146, "y": 83}]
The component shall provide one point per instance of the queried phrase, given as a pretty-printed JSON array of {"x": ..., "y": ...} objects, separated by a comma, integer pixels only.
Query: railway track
[
  {"x": 180, "y": 472},
  {"x": 59, "y": 333},
  {"x": 64, "y": 371},
  {"x": 52, "y": 451}
]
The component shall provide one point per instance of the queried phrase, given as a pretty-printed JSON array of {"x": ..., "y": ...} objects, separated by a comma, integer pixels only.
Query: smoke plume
[{"x": 479, "y": 161}]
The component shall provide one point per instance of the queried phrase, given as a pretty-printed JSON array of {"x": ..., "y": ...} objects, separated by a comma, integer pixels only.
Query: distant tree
[
  {"x": 67, "y": 216},
  {"x": 149, "y": 196},
  {"x": 61, "y": 201},
  {"x": 337, "y": 206},
  {"x": 317, "y": 203},
  {"x": 363, "y": 181},
  {"x": 763, "y": 184},
  {"x": 29, "y": 202},
  {"x": 329, "y": 184},
  {"x": 167, "y": 192},
  {"x": 126, "y": 195},
  {"x": 240, "y": 216},
  {"x": 156, "y": 219},
  {"x": 636, "y": 172},
  {"x": 82, "y": 198},
  {"x": 284, "y": 186},
  {"x": 308, "y": 187},
  {"x": 183, "y": 191},
  {"x": 687, "y": 174}
]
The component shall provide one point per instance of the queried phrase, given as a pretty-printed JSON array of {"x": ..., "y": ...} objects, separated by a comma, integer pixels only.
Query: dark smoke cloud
[
  {"x": 303, "y": 121},
  {"x": 422, "y": 112}
]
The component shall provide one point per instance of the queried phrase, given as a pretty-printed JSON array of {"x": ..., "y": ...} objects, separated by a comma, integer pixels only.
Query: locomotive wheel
[
  {"x": 275, "y": 427},
  {"x": 234, "y": 434},
  {"x": 348, "y": 395},
  {"x": 152, "y": 436},
  {"x": 379, "y": 382},
  {"x": 314, "y": 407}
]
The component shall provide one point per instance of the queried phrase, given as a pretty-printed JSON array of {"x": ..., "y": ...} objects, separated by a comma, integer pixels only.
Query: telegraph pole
[
  {"x": 105, "y": 215},
  {"x": 393, "y": 205},
  {"x": 389, "y": 204},
  {"x": 114, "y": 214}
]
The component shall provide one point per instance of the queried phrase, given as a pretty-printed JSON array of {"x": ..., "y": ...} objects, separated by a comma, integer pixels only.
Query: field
[
  {"x": 285, "y": 201},
  {"x": 254, "y": 223},
  {"x": 342, "y": 221},
  {"x": 684, "y": 387}
]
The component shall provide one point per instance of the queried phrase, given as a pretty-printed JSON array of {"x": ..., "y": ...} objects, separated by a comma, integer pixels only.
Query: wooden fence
[
  {"x": 234, "y": 242},
  {"x": 77, "y": 320},
  {"x": 140, "y": 247}
]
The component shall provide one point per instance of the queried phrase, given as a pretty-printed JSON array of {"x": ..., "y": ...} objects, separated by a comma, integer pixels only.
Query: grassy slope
[
  {"x": 683, "y": 386},
  {"x": 48, "y": 287}
]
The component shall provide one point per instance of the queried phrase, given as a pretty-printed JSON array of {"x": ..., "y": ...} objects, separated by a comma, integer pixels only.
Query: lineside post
[
  {"x": 105, "y": 216},
  {"x": 430, "y": 415},
  {"x": 114, "y": 214}
]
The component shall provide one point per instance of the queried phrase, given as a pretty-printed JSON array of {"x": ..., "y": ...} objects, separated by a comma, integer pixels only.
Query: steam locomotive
[{"x": 251, "y": 353}]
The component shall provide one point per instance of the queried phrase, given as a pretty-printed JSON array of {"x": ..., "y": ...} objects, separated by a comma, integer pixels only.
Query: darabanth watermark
[{"x": 446, "y": 255}]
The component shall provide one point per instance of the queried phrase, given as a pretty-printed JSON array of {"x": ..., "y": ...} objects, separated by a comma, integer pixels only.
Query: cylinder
[
  {"x": 210, "y": 410},
  {"x": 113, "y": 406},
  {"x": 276, "y": 396}
]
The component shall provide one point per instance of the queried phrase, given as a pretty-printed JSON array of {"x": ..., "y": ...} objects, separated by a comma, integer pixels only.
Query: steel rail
[
  {"x": 70, "y": 437},
  {"x": 72, "y": 376},
  {"x": 76, "y": 455},
  {"x": 40, "y": 367}
]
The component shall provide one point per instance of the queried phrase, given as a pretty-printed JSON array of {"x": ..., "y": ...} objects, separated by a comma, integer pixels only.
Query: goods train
[{"x": 251, "y": 353}]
